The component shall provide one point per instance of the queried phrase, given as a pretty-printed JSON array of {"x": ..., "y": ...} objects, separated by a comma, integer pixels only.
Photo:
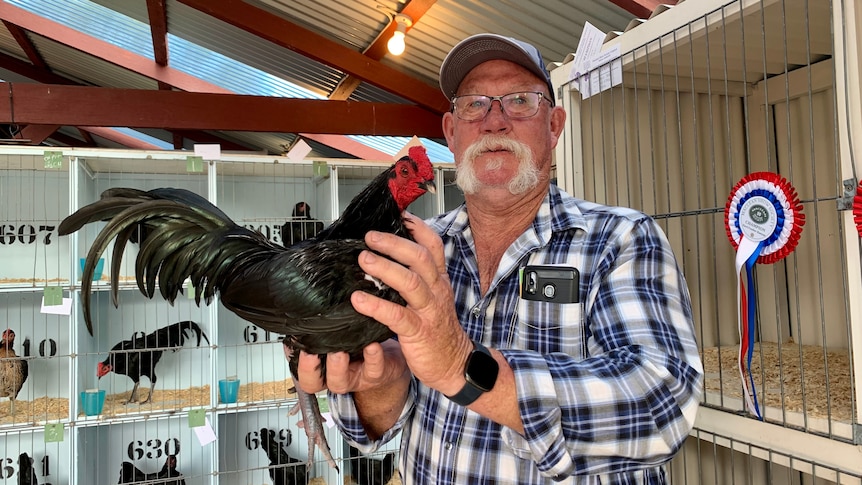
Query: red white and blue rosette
[
  {"x": 857, "y": 209},
  {"x": 763, "y": 218}
]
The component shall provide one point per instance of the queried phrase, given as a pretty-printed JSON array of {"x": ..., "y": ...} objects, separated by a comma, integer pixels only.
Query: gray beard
[{"x": 526, "y": 178}]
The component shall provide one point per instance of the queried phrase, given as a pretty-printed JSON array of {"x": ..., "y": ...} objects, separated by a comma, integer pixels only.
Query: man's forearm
[{"x": 380, "y": 408}]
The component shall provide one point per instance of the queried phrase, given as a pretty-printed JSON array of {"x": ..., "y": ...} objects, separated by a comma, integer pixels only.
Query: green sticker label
[
  {"x": 53, "y": 295},
  {"x": 194, "y": 164},
  {"x": 197, "y": 418},
  {"x": 320, "y": 168},
  {"x": 323, "y": 404},
  {"x": 53, "y": 432},
  {"x": 53, "y": 159}
]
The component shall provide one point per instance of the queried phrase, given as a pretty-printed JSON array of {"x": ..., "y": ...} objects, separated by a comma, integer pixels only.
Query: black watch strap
[{"x": 480, "y": 360}]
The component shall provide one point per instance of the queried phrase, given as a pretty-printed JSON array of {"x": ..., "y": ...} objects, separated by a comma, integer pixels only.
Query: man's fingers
[
  {"x": 390, "y": 314},
  {"x": 309, "y": 373},
  {"x": 337, "y": 377},
  {"x": 374, "y": 364},
  {"x": 427, "y": 238},
  {"x": 408, "y": 283},
  {"x": 426, "y": 262}
]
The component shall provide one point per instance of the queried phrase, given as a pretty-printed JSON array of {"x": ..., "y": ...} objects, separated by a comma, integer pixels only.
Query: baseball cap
[{"x": 479, "y": 48}]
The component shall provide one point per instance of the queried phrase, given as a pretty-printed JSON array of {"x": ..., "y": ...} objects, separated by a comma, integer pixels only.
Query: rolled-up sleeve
[{"x": 344, "y": 414}]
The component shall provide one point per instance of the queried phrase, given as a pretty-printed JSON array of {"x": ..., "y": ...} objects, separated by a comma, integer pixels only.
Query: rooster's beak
[{"x": 429, "y": 186}]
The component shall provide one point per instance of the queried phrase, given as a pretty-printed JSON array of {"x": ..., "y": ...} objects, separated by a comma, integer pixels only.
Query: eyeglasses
[{"x": 475, "y": 107}]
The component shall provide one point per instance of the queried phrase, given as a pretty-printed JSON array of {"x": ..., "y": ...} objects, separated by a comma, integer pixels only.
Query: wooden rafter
[
  {"x": 26, "y": 45},
  {"x": 414, "y": 9},
  {"x": 104, "y": 50},
  {"x": 45, "y": 104},
  {"x": 641, "y": 8},
  {"x": 310, "y": 44},
  {"x": 159, "y": 30}
]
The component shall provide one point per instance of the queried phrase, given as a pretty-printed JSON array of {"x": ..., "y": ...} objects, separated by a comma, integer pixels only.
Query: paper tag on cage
[
  {"x": 197, "y": 418},
  {"x": 53, "y": 159},
  {"x": 205, "y": 434},
  {"x": 323, "y": 404},
  {"x": 54, "y": 432},
  {"x": 52, "y": 296},
  {"x": 320, "y": 168},
  {"x": 194, "y": 164}
]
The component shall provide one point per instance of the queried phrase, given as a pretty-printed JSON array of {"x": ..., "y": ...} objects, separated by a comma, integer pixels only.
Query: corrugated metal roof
[{"x": 232, "y": 58}]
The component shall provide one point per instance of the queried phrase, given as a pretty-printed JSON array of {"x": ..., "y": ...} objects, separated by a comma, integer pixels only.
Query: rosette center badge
[{"x": 758, "y": 219}]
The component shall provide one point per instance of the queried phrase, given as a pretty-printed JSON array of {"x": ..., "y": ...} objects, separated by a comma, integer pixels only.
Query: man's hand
[
  {"x": 432, "y": 340},
  {"x": 378, "y": 383},
  {"x": 382, "y": 364}
]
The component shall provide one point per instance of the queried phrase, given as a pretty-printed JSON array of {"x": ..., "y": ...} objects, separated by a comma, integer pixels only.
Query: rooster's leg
[
  {"x": 312, "y": 423},
  {"x": 134, "y": 395},
  {"x": 312, "y": 420},
  {"x": 150, "y": 392}
]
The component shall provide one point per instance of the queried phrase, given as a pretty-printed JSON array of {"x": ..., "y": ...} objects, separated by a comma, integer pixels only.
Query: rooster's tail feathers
[
  {"x": 175, "y": 335},
  {"x": 169, "y": 214},
  {"x": 181, "y": 235},
  {"x": 113, "y": 202}
]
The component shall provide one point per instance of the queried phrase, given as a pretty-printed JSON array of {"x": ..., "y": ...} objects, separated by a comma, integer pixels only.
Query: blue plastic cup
[
  {"x": 228, "y": 390},
  {"x": 100, "y": 267},
  {"x": 92, "y": 401}
]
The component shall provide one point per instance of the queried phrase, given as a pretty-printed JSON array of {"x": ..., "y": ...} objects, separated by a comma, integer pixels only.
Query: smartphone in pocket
[{"x": 551, "y": 283}]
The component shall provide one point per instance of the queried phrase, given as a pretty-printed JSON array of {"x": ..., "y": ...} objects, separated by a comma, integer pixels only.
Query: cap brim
[{"x": 480, "y": 48}]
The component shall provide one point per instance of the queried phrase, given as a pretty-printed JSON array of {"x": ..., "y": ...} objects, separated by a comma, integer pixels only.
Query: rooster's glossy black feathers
[{"x": 301, "y": 291}]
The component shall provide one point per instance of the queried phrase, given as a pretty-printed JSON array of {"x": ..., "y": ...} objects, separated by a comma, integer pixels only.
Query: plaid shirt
[{"x": 608, "y": 388}]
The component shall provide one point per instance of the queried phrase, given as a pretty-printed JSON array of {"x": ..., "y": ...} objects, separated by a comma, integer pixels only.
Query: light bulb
[{"x": 396, "y": 43}]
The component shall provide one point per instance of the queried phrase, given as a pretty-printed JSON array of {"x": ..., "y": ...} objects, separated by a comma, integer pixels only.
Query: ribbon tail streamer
[{"x": 747, "y": 253}]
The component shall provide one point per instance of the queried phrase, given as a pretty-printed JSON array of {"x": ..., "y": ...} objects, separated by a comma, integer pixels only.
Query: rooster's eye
[{"x": 404, "y": 172}]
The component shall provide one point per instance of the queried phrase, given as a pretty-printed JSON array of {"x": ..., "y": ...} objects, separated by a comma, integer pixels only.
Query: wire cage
[
  {"x": 702, "y": 95},
  {"x": 157, "y": 390}
]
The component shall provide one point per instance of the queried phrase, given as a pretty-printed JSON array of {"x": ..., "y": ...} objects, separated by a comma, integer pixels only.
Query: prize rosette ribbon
[
  {"x": 857, "y": 209},
  {"x": 763, "y": 218}
]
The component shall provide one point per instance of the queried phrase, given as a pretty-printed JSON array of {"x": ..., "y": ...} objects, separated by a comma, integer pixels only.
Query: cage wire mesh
[
  {"x": 265, "y": 442},
  {"x": 35, "y": 351},
  {"x": 151, "y": 359},
  {"x": 142, "y": 396},
  {"x": 743, "y": 87},
  {"x": 716, "y": 459}
]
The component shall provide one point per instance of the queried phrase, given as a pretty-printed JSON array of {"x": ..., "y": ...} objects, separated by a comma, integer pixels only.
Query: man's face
[{"x": 498, "y": 152}]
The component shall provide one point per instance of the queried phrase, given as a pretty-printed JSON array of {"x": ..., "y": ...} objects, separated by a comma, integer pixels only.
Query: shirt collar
[{"x": 558, "y": 212}]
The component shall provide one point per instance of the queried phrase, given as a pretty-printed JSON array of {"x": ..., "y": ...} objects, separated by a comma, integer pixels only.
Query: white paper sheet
[{"x": 64, "y": 308}]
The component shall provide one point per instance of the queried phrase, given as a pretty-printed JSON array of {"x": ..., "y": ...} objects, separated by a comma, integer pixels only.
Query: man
[
  {"x": 300, "y": 226},
  {"x": 487, "y": 386}
]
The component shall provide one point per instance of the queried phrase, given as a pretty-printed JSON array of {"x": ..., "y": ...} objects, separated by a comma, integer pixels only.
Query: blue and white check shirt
[{"x": 608, "y": 388}]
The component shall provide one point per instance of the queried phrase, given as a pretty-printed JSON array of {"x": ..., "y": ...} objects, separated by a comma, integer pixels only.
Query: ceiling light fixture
[{"x": 396, "y": 43}]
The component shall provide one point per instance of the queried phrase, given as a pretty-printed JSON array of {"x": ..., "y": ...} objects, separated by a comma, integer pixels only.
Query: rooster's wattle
[{"x": 302, "y": 291}]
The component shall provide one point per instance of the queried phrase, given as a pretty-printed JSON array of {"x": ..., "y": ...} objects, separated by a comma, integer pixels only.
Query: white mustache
[{"x": 526, "y": 178}]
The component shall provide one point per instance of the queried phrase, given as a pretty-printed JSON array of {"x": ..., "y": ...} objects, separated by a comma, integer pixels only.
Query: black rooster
[
  {"x": 371, "y": 471},
  {"x": 129, "y": 473},
  {"x": 283, "y": 469},
  {"x": 301, "y": 291},
  {"x": 127, "y": 359},
  {"x": 26, "y": 473}
]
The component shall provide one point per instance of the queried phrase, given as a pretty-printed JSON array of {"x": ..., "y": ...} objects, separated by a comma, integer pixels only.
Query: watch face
[{"x": 482, "y": 370}]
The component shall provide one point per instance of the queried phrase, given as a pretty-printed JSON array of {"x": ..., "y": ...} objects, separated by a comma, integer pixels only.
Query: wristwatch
[{"x": 481, "y": 373}]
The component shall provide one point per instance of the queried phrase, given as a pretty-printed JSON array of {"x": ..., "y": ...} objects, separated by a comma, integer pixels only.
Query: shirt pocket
[{"x": 547, "y": 327}]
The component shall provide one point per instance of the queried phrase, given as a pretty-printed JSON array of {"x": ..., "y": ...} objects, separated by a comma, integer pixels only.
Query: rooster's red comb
[{"x": 417, "y": 154}]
